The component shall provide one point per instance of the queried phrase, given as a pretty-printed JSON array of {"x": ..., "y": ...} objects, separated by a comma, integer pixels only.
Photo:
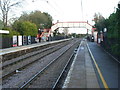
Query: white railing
[{"x": 72, "y": 25}]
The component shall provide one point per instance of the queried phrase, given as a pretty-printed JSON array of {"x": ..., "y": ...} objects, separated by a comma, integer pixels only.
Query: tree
[
  {"x": 112, "y": 23},
  {"x": 42, "y": 20},
  {"x": 55, "y": 32},
  {"x": 65, "y": 30},
  {"x": 25, "y": 28},
  {"x": 118, "y": 19},
  {"x": 1, "y": 24},
  {"x": 49, "y": 20},
  {"x": 6, "y": 6},
  {"x": 99, "y": 22},
  {"x": 11, "y": 32}
]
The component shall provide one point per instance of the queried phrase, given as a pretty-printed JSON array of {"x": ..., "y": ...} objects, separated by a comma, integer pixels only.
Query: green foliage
[
  {"x": 112, "y": 23},
  {"x": 42, "y": 20},
  {"x": 73, "y": 34},
  {"x": 48, "y": 24},
  {"x": 17, "y": 26},
  {"x": 112, "y": 26},
  {"x": 11, "y": 32},
  {"x": 115, "y": 48},
  {"x": 56, "y": 32},
  {"x": 25, "y": 28},
  {"x": 28, "y": 24},
  {"x": 1, "y": 24},
  {"x": 99, "y": 22}
]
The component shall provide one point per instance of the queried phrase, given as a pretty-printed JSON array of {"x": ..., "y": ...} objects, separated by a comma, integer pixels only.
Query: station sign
[
  {"x": 24, "y": 40},
  {"x": 19, "y": 40},
  {"x": 29, "y": 39},
  {"x": 14, "y": 41}
]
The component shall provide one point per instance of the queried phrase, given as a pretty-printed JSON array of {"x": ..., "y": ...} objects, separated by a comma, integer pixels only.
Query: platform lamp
[
  {"x": 39, "y": 33},
  {"x": 119, "y": 5},
  {"x": 105, "y": 30}
]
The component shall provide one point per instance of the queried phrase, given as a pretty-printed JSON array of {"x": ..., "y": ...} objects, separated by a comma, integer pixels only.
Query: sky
[{"x": 71, "y": 10}]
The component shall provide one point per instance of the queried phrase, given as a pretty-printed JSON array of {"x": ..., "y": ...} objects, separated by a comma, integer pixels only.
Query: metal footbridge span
[{"x": 79, "y": 24}]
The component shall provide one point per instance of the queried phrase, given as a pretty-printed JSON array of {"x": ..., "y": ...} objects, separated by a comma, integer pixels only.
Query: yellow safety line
[{"x": 100, "y": 74}]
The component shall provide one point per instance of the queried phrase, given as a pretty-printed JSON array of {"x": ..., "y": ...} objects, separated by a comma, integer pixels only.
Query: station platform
[
  {"x": 92, "y": 68},
  {"x": 10, "y": 53},
  {"x": 108, "y": 65},
  {"x": 18, "y": 48},
  {"x": 81, "y": 74}
]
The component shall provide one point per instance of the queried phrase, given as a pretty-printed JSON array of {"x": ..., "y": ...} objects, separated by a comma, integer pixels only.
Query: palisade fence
[{"x": 7, "y": 42}]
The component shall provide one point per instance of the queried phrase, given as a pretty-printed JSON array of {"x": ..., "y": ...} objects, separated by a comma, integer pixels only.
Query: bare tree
[
  {"x": 6, "y": 6},
  {"x": 65, "y": 31}
]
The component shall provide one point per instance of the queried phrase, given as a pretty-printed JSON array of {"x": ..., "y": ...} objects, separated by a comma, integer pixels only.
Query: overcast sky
[{"x": 71, "y": 10}]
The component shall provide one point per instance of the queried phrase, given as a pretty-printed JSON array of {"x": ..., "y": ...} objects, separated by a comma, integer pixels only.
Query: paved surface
[
  {"x": 82, "y": 74},
  {"x": 93, "y": 68},
  {"x": 108, "y": 66}
]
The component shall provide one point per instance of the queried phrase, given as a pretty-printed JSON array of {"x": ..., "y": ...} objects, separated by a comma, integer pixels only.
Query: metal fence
[
  {"x": 111, "y": 46},
  {"x": 7, "y": 42}
]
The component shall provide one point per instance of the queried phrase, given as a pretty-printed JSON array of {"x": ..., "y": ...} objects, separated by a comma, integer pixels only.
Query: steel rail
[
  {"x": 60, "y": 76},
  {"x": 43, "y": 50},
  {"x": 62, "y": 73},
  {"x": 37, "y": 74},
  {"x": 12, "y": 72}
]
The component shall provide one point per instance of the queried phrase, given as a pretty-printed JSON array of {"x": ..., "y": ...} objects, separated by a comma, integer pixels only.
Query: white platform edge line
[{"x": 67, "y": 80}]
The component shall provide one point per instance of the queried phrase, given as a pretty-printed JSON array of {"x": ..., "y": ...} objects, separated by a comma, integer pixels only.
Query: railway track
[
  {"x": 23, "y": 61},
  {"x": 51, "y": 75},
  {"x": 70, "y": 45},
  {"x": 60, "y": 80}
]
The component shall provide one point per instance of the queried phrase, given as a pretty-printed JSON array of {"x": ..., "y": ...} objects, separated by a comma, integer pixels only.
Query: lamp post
[
  {"x": 39, "y": 34},
  {"x": 119, "y": 4}
]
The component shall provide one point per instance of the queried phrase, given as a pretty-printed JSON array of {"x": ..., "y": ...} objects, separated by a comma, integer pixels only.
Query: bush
[
  {"x": 25, "y": 28},
  {"x": 115, "y": 49},
  {"x": 111, "y": 43},
  {"x": 11, "y": 32}
]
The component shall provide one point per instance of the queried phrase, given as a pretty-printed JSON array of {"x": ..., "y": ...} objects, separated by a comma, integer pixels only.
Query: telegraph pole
[{"x": 82, "y": 8}]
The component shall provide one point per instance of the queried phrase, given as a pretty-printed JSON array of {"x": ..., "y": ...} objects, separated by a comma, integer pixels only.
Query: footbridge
[{"x": 80, "y": 24}]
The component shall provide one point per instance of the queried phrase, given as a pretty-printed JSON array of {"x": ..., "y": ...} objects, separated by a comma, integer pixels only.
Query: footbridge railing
[{"x": 71, "y": 25}]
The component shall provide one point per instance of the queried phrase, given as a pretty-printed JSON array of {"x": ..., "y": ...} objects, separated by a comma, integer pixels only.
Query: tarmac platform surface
[
  {"x": 82, "y": 74},
  {"x": 92, "y": 68}
]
